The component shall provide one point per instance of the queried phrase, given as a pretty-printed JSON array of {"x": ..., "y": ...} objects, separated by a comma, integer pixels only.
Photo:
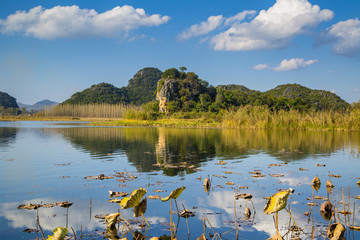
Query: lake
[{"x": 49, "y": 162}]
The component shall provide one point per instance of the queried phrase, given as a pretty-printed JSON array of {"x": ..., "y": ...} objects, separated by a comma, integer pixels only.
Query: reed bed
[
  {"x": 89, "y": 110},
  {"x": 255, "y": 117}
]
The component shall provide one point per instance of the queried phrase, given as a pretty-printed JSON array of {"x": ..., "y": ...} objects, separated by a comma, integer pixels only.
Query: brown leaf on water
[
  {"x": 48, "y": 205},
  {"x": 335, "y": 176},
  {"x": 303, "y": 169},
  {"x": 202, "y": 237},
  {"x": 207, "y": 184},
  {"x": 186, "y": 213},
  {"x": 100, "y": 177},
  {"x": 247, "y": 213},
  {"x": 243, "y": 195},
  {"x": 30, "y": 230},
  {"x": 258, "y": 176},
  {"x": 336, "y": 231},
  {"x": 117, "y": 194},
  {"x": 221, "y": 163},
  {"x": 159, "y": 190},
  {"x": 320, "y": 198},
  {"x": 29, "y": 206},
  {"x": 326, "y": 207},
  {"x": 243, "y": 187},
  {"x": 274, "y": 165},
  {"x": 276, "y": 175},
  {"x": 154, "y": 197},
  {"x": 228, "y": 172},
  {"x": 356, "y": 228},
  {"x": 277, "y": 236},
  {"x": 65, "y": 204},
  {"x": 345, "y": 212},
  {"x": 311, "y": 204},
  {"x": 357, "y": 197},
  {"x": 229, "y": 183},
  {"x": 256, "y": 172}
]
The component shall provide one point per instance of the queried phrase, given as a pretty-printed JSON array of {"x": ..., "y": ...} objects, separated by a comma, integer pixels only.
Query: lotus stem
[
  {"x": 126, "y": 224},
  {"x": 145, "y": 220}
]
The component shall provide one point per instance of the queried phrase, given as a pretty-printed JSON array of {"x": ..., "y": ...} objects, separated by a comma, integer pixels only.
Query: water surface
[{"x": 42, "y": 162}]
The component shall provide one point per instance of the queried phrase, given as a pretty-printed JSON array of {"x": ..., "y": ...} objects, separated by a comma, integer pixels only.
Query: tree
[{"x": 183, "y": 69}]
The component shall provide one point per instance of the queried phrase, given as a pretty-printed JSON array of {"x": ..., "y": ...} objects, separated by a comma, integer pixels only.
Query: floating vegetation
[
  {"x": 229, "y": 183},
  {"x": 174, "y": 194},
  {"x": 29, "y": 206},
  {"x": 277, "y": 175},
  {"x": 117, "y": 194},
  {"x": 221, "y": 163},
  {"x": 334, "y": 175},
  {"x": 243, "y": 195},
  {"x": 100, "y": 177}
]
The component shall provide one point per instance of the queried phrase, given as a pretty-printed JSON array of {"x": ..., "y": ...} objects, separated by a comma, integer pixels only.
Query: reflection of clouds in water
[
  {"x": 295, "y": 181},
  {"x": 224, "y": 201},
  {"x": 51, "y": 218}
]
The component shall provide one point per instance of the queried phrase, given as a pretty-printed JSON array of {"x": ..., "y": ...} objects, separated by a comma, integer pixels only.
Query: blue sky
[{"x": 52, "y": 49}]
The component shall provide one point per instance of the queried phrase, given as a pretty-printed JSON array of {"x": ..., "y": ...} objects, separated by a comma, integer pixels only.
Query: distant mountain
[
  {"x": 38, "y": 106},
  {"x": 7, "y": 101}
]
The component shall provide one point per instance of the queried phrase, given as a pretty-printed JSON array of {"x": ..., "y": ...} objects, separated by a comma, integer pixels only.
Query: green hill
[
  {"x": 7, "y": 101},
  {"x": 141, "y": 89},
  {"x": 185, "y": 91}
]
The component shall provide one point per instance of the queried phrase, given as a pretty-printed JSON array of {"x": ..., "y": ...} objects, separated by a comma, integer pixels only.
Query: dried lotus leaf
[{"x": 174, "y": 194}]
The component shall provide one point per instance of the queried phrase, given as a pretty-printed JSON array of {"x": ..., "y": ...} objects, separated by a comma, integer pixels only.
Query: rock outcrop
[{"x": 168, "y": 91}]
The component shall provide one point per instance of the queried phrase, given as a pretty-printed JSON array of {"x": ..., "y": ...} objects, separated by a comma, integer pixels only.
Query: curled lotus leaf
[
  {"x": 174, "y": 194},
  {"x": 336, "y": 231},
  {"x": 358, "y": 183},
  {"x": 58, "y": 234},
  {"x": 134, "y": 199},
  {"x": 140, "y": 209},
  {"x": 207, "y": 184},
  {"x": 316, "y": 181},
  {"x": 277, "y": 202},
  {"x": 329, "y": 184},
  {"x": 111, "y": 220}
]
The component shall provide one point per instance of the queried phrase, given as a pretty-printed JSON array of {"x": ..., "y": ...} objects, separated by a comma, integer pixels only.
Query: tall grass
[
  {"x": 88, "y": 110},
  {"x": 254, "y": 117}
]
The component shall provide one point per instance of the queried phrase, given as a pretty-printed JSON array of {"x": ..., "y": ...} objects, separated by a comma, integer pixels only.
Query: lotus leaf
[
  {"x": 316, "y": 180},
  {"x": 134, "y": 199},
  {"x": 277, "y": 202},
  {"x": 174, "y": 194},
  {"x": 58, "y": 234},
  {"x": 111, "y": 220},
  {"x": 335, "y": 231},
  {"x": 140, "y": 209}
]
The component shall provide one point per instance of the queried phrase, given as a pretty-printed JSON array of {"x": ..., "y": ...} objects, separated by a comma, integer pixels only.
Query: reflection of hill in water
[
  {"x": 7, "y": 135},
  {"x": 147, "y": 146}
]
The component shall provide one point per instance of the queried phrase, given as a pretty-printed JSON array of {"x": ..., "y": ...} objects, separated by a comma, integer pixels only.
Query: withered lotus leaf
[
  {"x": 134, "y": 199},
  {"x": 58, "y": 234},
  {"x": 174, "y": 194},
  {"x": 316, "y": 180},
  {"x": 335, "y": 231},
  {"x": 111, "y": 220},
  {"x": 140, "y": 209},
  {"x": 277, "y": 202}
]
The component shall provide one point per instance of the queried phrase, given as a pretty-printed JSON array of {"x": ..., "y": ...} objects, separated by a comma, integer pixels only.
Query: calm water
[{"x": 42, "y": 162}]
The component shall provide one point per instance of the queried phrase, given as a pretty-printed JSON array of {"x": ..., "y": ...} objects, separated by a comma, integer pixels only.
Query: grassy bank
[{"x": 247, "y": 117}]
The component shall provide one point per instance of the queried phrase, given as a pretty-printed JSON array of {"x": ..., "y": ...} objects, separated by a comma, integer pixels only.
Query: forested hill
[
  {"x": 141, "y": 89},
  {"x": 185, "y": 91},
  {"x": 7, "y": 101}
]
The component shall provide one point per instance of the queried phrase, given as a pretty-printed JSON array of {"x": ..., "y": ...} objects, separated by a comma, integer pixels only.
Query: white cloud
[
  {"x": 286, "y": 65},
  {"x": 73, "y": 22},
  {"x": 272, "y": 28},
  {"x": 213, "y": 23},
  {"x": 293, "y": 64},
  {"x": 203, "y": 28},
  {"x": 261, "y": 67},
  {"x": 345, "y": 37}
]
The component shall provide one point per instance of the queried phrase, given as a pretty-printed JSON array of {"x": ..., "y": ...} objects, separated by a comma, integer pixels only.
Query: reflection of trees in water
[
  {"x": 170, "y": 146},
  {"x": 7, "y": 136}
]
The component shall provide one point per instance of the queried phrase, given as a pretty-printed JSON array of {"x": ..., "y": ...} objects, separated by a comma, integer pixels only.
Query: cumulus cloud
[
  {"x": 73, "y": 22},
  {"x": 293, "y": 64},
  {"x": 272, "y": 28},
  {"x": 287, "y": 65},
  {"x": 213, "y": 23},
  {"x": 344, "y": 37},
  {"x": 261, "y": 67},
  {"x": 203, "y": 28}
]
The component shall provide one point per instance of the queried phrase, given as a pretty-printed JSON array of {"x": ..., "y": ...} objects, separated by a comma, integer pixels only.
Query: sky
[{"x": 50, "y": 49}]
